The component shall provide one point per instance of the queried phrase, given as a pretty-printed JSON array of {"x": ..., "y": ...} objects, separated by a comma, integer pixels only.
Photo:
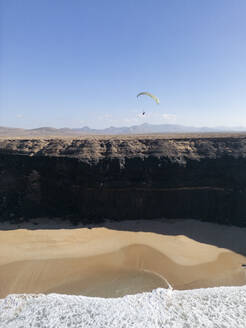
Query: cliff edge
[{"x": 124, "y": 177}]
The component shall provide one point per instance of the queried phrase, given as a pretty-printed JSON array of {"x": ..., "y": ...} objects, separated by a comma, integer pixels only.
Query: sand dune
[{"x": 104, "y": 262}]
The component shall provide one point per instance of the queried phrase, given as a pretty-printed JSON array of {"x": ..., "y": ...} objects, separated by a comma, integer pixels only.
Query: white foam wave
[{"x": 210, "y": 307}]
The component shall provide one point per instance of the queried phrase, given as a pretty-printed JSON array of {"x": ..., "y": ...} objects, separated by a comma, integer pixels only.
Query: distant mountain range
[{"x": 135, "y": 129}]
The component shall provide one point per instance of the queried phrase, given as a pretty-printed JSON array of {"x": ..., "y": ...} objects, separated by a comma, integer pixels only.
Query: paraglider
[{"x": 156, "y": 99}]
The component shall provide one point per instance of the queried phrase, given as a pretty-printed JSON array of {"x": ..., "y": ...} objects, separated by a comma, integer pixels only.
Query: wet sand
[{"x": 111, "y": 263}]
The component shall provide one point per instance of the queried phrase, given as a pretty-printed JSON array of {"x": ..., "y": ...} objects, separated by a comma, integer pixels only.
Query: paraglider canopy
[{"x": 150, "y": 95}]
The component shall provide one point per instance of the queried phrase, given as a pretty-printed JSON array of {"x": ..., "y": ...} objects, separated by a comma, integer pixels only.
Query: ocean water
[{"x": 219, "y": 307}]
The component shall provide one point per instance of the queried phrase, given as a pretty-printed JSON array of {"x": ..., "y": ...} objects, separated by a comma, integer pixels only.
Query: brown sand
[{"x": 104, "y": 262}]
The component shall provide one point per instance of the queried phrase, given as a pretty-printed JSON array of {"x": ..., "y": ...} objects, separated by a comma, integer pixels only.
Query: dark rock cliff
[{"x": 93, "y": 178}]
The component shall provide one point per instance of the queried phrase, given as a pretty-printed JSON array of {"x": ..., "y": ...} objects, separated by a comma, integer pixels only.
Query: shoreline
[{"x": 74, "y": 260}]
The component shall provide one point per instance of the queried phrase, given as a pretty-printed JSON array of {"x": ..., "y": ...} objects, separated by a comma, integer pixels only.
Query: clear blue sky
[{"x": 81, "y": 62}]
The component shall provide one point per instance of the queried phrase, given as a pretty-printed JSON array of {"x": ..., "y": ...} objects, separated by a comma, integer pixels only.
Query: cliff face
[{"x": 124, "y": 178}]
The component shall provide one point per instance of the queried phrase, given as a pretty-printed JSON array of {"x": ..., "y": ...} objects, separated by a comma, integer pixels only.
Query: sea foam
[{"x": 210, "y": 307}]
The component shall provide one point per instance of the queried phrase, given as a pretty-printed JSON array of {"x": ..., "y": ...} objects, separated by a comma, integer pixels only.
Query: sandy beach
[{"x": 111, "y": 262}]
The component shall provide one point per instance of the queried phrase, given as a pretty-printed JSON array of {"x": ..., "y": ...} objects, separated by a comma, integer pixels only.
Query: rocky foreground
[
  {"x": 92, "y": 178},
  {"x": 215, "y": 307}
]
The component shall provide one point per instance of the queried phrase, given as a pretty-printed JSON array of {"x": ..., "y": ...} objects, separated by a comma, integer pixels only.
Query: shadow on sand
[{"x": 223, "y": 236}]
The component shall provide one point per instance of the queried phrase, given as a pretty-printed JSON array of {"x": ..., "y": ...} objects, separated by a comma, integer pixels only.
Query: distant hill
[{"x": 135, "y": 129}]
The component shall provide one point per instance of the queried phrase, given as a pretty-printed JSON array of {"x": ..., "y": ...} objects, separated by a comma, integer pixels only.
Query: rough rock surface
[
  {"x": 125, "y": 177},
  {"x": 222, "y": 307}
]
